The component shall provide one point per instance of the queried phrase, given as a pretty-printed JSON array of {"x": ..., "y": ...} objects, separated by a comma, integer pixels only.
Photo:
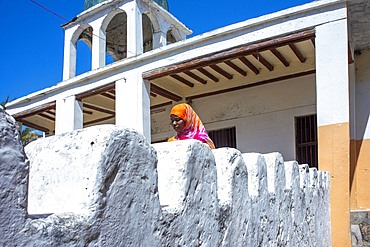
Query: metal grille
[
  {"x": 223, "y": 137},
  {"x": 306, "y": 140}
]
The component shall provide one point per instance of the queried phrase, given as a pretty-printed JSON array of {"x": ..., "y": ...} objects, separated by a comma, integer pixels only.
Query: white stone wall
[
  {"x": 263, "y": 201},
  {"x": 171, "y": 194}
]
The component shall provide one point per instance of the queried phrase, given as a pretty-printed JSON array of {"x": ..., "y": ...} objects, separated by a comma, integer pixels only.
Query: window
[
  {"x": 223, "y": 137},
  {"x": 306, "y": 140}
]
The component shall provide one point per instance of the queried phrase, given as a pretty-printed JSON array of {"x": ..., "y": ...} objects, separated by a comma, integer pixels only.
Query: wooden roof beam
[
  {"x": 108, "y": 95},
  {"x": 163, "y": 92},
  {"x": 249, "y": 65},
  {"x": 99, "y": 120},
  {"x": 225, "y": 55},
  {"x": 262, "y": 60},
  {"x": 50, "y": 112},
  {"x": 195, "y": 77},
  {"x": 259, "y": 83},
  {"x": 34, "y": 126},
  {"x": 46, "y": 116},
  {"x": 35, "y": 111},
  {"x": 95, "y": 91},
  {"x": 87, "y": 112},
  {"x": 97, "y": 108},
  {"x": 209, "y": 75},
  {"x": 297, "y": 52},
  {"x": 221, "y": 71},
  {"x": 236, "y": 68},
  {"x": 161, "y": 105},
  {"x": 182, "y": 80},
  {"x": 280, "y": 57}
]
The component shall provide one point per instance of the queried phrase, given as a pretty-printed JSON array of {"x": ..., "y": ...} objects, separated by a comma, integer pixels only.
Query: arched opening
[
  {"x": 83, "y": 48},
  {"x": 170, "y": 37},
  {"x": 116, "y": 37},
  {"x": 147, "y": 33}
]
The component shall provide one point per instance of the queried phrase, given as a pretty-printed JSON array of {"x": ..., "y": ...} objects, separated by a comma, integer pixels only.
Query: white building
[{"x": 296, "y": 81}]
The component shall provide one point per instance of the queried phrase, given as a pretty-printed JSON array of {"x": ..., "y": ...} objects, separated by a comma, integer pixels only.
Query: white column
[
  {"x": 134, "y": 29},
  {"x": 159, "y": 39},
  {"x": 332, "y": 92},
  {"x": 133, "y": 104},
  {"x": 332, "y": 74},
  {"x": 69, "y": 64},
  {"x": 98, "y": 44},
  {"x": 69, "y": 115}
]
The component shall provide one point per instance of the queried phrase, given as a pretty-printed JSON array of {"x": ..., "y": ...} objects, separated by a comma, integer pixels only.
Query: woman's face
[{"x": 177, "y": 123}]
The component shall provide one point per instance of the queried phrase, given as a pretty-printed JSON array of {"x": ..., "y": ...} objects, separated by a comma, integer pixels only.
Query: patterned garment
[{"x": 193, "y": 129}]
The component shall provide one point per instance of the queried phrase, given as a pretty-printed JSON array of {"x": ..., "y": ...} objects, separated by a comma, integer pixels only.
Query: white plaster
[
  {"x": 332, "y": 75},
  {"x": 133, "y": 104},
  {"x": 98, "y": 44},
  {"x": 159, "y": 39},
  {"x": 64, "y": 171},
  {"x": 69, "y": 115},
  {"x": 230, "y": 165},
  {"x": 256, "y": 167},
  {"x": 174, "y": 170},
  {"x": 134, "y": 29},
  {"x": 70, "y": 56}
]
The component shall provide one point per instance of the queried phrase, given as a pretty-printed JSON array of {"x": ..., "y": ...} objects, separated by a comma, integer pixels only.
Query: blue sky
[{"x": 31, "y": 44}]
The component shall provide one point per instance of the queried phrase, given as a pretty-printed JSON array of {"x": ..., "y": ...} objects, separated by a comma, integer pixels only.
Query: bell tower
[{"x": 120, "y": 28}]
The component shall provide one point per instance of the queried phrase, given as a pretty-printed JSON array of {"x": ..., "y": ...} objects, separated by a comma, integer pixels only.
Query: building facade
[{"x": 296, "y": 81}]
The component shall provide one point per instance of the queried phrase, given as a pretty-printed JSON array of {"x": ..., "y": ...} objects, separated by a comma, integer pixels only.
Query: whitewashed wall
[
  {"x": 263, "y": 115},
  {"x": 186, "y": 193}
]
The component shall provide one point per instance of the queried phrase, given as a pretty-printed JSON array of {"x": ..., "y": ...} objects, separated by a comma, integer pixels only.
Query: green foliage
[
  {"x": 29, "y": 135},
  {"x": 4, "y": 102}
]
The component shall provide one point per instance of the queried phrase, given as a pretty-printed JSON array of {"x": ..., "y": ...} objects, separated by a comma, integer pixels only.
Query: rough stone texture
[
  {"x": 68, "y": 170},
  {"x": 188, "y": 194},
  {"x": 131, "y": 209},
  {"x": 13, "y": 181},
  {"x": 360, "y": 228},
  {"x": 233, "y": 196},
  {"x": 168, "y": 194}
]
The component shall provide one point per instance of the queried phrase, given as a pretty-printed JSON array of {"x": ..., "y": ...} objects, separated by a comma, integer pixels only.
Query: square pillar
[
  {"x": 134, "y": 29},
  {"x": 159, "y": 39},
  {"x": 133, "y": 104},
  {"x": 70, "y": 50},
  {"x": 98, "y": 45},
  {"x": 332, "y": 92},
  {"x": 69, "y": 115}
]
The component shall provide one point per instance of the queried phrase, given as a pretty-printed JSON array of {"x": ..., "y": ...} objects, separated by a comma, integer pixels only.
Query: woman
[{"x": 188, "y": 125}]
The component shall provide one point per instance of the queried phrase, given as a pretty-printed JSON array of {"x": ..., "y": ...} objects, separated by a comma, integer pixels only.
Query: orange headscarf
[{"x": 193, "y": 128}]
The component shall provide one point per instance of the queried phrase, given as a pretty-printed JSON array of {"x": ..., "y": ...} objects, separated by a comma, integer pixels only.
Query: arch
[
  {"x": 83, "y": 58},
  {"x": 170, "y": 37},
  {"x": 147, "y": 33},
  {"x": 83, "y": 31},
  {"x": 115, "y": 28}
]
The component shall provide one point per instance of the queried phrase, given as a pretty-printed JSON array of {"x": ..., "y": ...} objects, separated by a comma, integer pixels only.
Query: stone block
[
  {"x": 188, "y": 193},
  {"x": 13, "y": 180}
]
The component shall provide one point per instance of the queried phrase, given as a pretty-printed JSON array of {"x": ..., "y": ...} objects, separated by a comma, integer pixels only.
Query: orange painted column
[{"x": 332, "y": 92}]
